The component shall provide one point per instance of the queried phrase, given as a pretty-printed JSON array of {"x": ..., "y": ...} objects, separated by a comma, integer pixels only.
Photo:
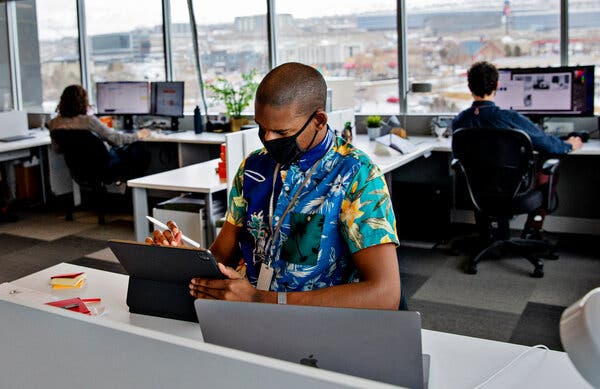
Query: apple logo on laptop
[{"x": 310, "y": 361}]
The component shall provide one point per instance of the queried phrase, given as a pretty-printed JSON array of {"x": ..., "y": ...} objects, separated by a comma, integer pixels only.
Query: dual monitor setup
[{"x": 129, "y": 98}]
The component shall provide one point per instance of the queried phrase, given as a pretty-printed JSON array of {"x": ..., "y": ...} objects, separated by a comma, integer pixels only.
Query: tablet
[{"x": 159, "y": 277}]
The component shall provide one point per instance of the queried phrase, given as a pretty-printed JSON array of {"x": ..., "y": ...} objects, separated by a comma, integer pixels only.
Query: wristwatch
[{"x": 281, "y": 298}]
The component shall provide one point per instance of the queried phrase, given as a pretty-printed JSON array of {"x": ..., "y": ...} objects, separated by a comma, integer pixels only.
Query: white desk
[
  {"x": 22, "y": 149},
  {"x": 198, "y": 178},
  {"x": 456, "y": 361},
  {"x": 189, "y": 144}
]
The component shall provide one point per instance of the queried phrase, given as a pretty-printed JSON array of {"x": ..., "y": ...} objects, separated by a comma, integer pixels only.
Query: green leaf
[{"x": 379, "y": 224}]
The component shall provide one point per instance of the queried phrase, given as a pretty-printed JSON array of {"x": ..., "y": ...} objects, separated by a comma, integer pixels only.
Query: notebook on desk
[{"x": 375, "y": 344}]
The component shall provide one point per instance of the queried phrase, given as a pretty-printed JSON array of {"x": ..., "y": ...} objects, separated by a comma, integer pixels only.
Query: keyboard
[{"x": 16, "y": 138}]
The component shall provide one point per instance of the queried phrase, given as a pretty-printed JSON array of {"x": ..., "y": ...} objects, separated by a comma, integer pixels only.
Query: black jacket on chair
[{"x": 500, "y": 172}]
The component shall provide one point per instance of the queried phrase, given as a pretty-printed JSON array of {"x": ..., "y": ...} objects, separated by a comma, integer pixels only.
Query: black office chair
[
  {"x": 89, "y": 163},
  {"x": 500, "y": 173}
]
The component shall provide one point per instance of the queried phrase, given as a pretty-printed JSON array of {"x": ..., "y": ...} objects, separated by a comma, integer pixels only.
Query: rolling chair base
[{"x": 529, "y": 249}]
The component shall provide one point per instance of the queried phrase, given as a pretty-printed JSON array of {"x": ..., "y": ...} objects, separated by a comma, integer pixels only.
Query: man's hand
[
  {"x": 235, "y": 288},
  {"x": 575, "y": 142},
  {"x": 170, "y": 237}
]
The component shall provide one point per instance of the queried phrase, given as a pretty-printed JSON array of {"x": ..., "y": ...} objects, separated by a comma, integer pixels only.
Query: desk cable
[{"x": 509, "y": 364}]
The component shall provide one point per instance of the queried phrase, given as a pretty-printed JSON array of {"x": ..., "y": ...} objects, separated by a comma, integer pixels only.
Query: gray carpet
[{"x": 501, "y": 302}]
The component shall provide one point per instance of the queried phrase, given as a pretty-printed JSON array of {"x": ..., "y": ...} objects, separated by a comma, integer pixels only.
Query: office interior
[{"x": 370, "y": 54}]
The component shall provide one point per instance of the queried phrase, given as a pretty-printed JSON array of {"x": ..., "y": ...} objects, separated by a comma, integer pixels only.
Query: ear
[{"x": 321, "y": 119}]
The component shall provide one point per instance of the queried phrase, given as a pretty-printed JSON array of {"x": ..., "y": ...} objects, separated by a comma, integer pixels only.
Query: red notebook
[{"x": 74, "y": 304}]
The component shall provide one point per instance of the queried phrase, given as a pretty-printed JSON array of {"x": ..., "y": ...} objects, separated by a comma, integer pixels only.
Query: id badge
[{"x": 264, "y": 277}]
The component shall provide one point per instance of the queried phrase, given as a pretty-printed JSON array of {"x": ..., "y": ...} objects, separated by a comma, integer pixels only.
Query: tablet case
[{"x": 159, "y": 277}]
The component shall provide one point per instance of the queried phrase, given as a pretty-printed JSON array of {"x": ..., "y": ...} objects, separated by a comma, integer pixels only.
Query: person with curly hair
[{"x": 131, "y": 157}]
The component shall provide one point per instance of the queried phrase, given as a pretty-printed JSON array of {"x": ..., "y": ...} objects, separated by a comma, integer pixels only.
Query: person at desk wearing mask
[
  {"x": 73, "y": 114},
  {"x": 484, "y": 113},
  {"x": 309, "y": 215}
]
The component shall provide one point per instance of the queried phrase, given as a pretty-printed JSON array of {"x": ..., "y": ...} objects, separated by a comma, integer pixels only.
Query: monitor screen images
[
  {"x": 123, "y": 98},
  {"x": 167, "y": 98},
  {"x": 563, "y": 91}
]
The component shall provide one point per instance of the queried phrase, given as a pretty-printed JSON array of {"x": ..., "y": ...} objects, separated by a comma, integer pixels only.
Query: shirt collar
[
  {"x": 317, "y": 152},
  {"x": 483, "y": 103}
]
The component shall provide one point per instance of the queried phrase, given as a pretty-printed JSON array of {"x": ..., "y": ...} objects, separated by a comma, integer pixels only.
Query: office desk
[
  {"x": 22, "y": 149},
  {"x": 191, "y": 147},
  {"x": 456, "y": 361},
  {"x": 197, "y": 178}
]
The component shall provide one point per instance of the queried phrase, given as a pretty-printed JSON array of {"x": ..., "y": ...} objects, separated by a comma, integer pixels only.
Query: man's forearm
[{"x": 364, "y": 294}]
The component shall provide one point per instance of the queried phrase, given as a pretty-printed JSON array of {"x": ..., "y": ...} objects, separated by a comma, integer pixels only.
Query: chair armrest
[
  {"x": 550, "y": 166},
  {"x": 454, "y": 164}
]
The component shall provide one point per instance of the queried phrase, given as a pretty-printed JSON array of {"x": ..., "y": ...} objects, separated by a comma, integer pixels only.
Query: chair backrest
[
  {"x": 498, "y": 165},
  {"x": 85, "y": 154},
  {"x": 239, "y": 144}
]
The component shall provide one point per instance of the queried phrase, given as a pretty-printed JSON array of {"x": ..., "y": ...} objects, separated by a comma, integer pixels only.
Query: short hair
[
  {"x": 73, "y": 101},
  {"x": 293, "y": 83},
  {"x": 483, "y": 78}
]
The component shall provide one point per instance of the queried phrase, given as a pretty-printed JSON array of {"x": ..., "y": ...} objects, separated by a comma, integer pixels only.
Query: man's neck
[{"x": 489, "y": 97}]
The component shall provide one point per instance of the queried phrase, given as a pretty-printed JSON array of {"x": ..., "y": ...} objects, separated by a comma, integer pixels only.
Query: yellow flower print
[
  {"x": 385, "y": 239},
  {"x": 353, "y": 189},
  {"x": 344, "y": 149},
  {"x": 283, "y": 174},
  {"x": 350, "y": 211}
]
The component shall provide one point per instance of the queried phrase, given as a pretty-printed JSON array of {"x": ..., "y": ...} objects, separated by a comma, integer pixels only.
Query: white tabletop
[
  {"x": 591, "y": 147},
  {"x": 385, "y": 157},
  {"x": 187, "y": 137},
  {"x": 197, "y": 178},
  {"x": 456, "y": 361},
  {"x": 40, "y": 138}
]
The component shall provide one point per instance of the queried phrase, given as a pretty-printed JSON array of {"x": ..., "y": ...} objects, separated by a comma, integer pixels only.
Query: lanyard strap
[{"x": 275, "y": 233}]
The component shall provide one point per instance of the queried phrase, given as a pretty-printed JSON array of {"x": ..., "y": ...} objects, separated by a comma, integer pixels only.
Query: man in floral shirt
[{"x": 309, "y": 208}]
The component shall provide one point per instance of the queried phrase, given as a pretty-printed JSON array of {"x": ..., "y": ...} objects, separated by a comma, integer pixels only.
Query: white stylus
[{"x": 165, "y": 227}]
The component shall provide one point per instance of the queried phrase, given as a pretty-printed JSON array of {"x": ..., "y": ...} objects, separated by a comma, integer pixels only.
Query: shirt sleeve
[
  {"x": 115, "y": 138},
  {"x": 540, "y": 140},
  {"x": 238, "y": 207},
  {"x": 367, "y": 218}
]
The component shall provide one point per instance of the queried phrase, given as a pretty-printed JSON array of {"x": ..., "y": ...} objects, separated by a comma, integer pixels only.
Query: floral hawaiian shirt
[{"x": 342, "y": 208}]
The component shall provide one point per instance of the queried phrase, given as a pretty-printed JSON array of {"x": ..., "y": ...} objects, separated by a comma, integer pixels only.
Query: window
[
  {"x": 5, "y": 85},
  {"x": 125, "y": 41},
  {"x": 354, "y": 43},
  {"x": 232, "y": 38},
  {"x": 445, "y": 37},
  {"x": 29, "y": 56},
  {"x": 59, "y": 48},
  {"x": 584, "y": 39}
]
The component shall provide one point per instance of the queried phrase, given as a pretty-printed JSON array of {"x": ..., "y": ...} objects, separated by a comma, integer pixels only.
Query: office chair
[
  {"x": 500, "y": 173},
  {"x": 89, "y": 164}
]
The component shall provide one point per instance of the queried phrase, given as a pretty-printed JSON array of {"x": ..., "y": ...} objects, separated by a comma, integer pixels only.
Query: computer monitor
[
  {"x": 123, "y": 98},
  {"x": 167, "y": 100},
  {"x": 551, "y": 91}
]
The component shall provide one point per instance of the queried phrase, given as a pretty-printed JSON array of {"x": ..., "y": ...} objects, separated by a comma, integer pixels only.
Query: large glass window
[
  {"x": 445, "y": 37},
  {"x": 5, "y": 85},
  {"x": 29, "y": 56},
  {"x": 584, "y": 38},
  {"x": 232, "y": 37},
  {"x": 59, "y": 48},
  {"x": 125, "y": 40},
  {"x": 354, "y": 43}
]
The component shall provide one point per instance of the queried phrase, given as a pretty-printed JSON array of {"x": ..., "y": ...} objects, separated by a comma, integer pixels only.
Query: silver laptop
[
  {"x": 13, "y": 126},
  {"x": 375, "y": 344}
]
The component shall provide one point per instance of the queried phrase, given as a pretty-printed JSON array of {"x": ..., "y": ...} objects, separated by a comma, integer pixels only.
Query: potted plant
[
  {"x": 373, "y": 126},
  {"x": 236, "y": 97}
]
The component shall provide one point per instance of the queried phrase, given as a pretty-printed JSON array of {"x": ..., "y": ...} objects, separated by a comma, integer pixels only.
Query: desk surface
[
  {"x": 456, "y": 361},
  {"x": 591, "y": 147},
  {"x": 385, "y": 157},
  {"x": 197, "y": 178},
  {"x": 40, "y": 138},
  {"x": 211, "y": 138}
]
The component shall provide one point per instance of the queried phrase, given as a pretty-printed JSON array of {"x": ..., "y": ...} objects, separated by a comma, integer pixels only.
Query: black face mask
[{"x": 286, "y": 150}]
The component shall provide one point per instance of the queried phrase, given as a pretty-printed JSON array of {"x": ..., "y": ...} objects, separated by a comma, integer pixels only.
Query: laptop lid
[
  {"x": 13, "y": 123},
  {"x": 380, "y": 345}
]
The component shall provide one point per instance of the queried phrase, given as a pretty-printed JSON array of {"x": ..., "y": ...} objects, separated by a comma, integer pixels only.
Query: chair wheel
[
  {"x": 537, "y": 273},
  {"x": 471, "y": 269}
]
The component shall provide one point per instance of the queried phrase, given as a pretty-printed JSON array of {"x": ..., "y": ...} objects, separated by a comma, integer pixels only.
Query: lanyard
[{"x": 275, "y": 233}]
